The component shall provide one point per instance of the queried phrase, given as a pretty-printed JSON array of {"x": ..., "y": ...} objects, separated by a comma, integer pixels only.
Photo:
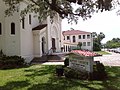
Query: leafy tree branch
[{"x": 64, "y": 8}]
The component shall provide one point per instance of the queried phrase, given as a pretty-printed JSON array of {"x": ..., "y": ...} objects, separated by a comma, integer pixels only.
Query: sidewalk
[{"x": 53, "y": 63}]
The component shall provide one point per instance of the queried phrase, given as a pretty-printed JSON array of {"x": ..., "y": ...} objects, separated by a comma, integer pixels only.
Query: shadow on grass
[
  {"x": 15, "y": 85},
  {"x": 16, "y": 67},
  {"x": 113, "y": 81},
  {"x": 57, "y": 83},
  {"x": 53, "y": 82},
  {"x": 61, "y": 84},
  {"x": 40, "y": 71}
]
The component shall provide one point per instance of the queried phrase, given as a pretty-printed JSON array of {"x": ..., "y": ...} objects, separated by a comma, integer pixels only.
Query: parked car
[{"x": 117, "y": 50}]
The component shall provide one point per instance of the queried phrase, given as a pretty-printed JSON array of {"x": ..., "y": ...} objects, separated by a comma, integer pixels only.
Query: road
[{"x": 109, "y": 60}]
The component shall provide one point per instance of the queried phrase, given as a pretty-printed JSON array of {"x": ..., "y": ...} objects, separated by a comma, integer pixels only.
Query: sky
[{"x": 107, "y": 22}]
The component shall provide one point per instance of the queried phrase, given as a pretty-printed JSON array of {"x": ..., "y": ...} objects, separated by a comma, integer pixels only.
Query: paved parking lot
[{"x": 109, "y": 60}]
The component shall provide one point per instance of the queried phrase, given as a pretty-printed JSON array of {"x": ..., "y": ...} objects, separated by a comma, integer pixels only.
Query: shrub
[
  {"x": 76, "y": 74},
  {"x": 7, "y": 62},
  {"x": 68, "y": 72},
  {"x": 99, "y": 72},
  {"x": 59, "y": 70},
  {"x": 66, "y": 62}
]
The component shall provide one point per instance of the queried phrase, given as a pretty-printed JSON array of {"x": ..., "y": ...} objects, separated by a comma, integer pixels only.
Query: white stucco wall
[
  {"x": 27, "y": 35},
  {"x": 10, "y": 43},
  {"x": 54, "y": 31},
  {"x": 37, "y": 40},
  {"x": 2, "y": 21},
  {"x": 49, "y": 45},
  {"x": 74, "y": 44},
  {"x": 27, "y": 42},
  {"x": 36, "y": 45},
  {"x": 24, "y": 43}
]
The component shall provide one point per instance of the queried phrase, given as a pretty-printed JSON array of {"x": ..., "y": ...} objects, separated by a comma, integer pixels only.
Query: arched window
[
  {"x": 0, "y": 29},
  {"x": 88, "y": 36},
  {"x": 23, "y": 23},
  {"x": 74, "y": 39},
  {"x": 12, "y": 28},
  {"x": 29, "y": 18},
  {"x": 79, "y": 36},
  {"x": 83, "y": 36},
  {"x": 43, "y": 45}
]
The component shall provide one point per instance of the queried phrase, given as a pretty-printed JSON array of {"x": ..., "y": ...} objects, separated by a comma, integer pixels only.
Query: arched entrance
[
  {"x": 53, "y": 44},
  {"x": 43, "y": 45},
  {"x": 55, "y": 39}
]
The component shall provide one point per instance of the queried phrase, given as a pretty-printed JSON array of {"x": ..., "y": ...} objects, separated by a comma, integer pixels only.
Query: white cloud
[{"x": 106, "y": 22}]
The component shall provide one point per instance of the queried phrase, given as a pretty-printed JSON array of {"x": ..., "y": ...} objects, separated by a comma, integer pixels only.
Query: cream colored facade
[
  {"x": 28, "y": 42},
  {"x": 69, "y": 43}
]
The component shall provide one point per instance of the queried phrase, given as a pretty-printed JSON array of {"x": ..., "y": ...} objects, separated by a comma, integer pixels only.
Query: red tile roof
[
  {"x": 85, "y": 53},
  {"x": 75, "y": 32},
  {"x": 39, "y": 27}
]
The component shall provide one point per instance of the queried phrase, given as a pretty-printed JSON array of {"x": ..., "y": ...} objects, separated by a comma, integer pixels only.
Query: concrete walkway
[
  {"x": 53, "y": 63},
  {"x": 108, "y": 60}
]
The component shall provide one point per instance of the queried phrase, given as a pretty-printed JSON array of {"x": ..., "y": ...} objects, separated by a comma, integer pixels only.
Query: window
[
  {"x": 83, "y": 36},
  {"x": 79, "y": 36},
  {"x": 68, "y": 37},
  {"x": 0, "y": 29},
  {"x": 84, "y": 43},
  {"x": 29, "y": 18},
  {"x": 88, "y": 43},
  {"x": 12, "y": 28},
  {"x": 23, "y": 23},
  {"x": 88, "y": 36},
  {"x": 66, "y": 48},
  {"x": 74, "y": 39}
]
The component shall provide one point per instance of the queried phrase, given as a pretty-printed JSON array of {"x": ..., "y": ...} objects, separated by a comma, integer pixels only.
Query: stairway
[
  {"x": 38, "y": 60},
  {"x": 48, "y": 58},
  {"x": 54, "y": 58}
]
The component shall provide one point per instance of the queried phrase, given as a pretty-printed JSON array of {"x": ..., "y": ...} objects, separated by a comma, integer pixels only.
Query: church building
[{"x": 27, "y": 37}]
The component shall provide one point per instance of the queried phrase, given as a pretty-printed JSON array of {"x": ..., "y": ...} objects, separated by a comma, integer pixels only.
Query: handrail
[{"x": 50, "y": 51}]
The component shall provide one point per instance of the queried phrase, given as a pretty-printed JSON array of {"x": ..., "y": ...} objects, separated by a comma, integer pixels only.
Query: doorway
[{"x": 53, "y": 45}]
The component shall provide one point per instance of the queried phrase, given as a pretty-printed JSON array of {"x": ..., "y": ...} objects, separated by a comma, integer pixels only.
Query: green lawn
[
  {"x": 39, "y": 77},
  {"x": 102, "y": 52}
]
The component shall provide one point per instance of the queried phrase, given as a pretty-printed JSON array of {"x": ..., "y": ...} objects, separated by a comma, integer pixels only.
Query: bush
[
  {"x": 76, "y": 74},
  {"x": 69, "y": 73},
  {"x": 7, "y": 62},
  {"x": 66, "y": 62},
  {"x": 99, "y": 72},
  {"x": 59, "y": 70}
]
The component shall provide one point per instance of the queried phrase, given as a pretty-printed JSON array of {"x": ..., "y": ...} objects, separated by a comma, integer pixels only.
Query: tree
[
  {"x": 64, "y": 8},
  {"x": 79, "y": 45},
  {"x": 114, "y": 43},
  {"x": 97, "y": 38}
]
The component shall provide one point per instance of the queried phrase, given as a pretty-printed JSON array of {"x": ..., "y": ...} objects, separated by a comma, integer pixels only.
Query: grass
[
  {"x": 102, "y": 52},
  {"x": 42, "y": 77}
]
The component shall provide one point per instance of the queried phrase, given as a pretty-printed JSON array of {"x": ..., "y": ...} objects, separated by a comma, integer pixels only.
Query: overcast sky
[{"x": 106, "y": 22}]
